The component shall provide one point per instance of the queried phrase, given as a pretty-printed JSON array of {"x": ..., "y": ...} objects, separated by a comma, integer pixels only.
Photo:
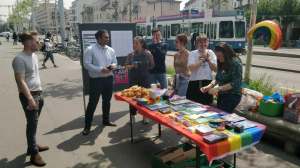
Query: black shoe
[
  {"x": 86, "y": 132},
  {"x": 110, "y": 124}
]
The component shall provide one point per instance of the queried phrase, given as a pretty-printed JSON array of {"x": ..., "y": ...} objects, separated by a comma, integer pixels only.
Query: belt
[{"x": 36, "y": 93}]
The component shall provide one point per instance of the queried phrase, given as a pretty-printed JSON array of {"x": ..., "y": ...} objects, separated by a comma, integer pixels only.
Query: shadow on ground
[
  {"x": 77, "y": 140},
  {"x": 18, "y": 162},
  {"x": 68, "y": 89}
]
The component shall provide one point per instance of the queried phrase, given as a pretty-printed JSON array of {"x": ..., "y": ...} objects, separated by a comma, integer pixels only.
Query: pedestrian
[
  {"x": 193, "y": 40},
  {"x": 227, "y": 85},
  {"x": 159, "y": 50},
  {"x": 99, "y": 60},
  {"x": 7, "y": 37},
  {"x": 139, "y": 62},
  {"x": 202, "y": 63},
  {"x": 15, "y": 38},
  {"x": 48, "y": 51},
  {"x": 181, "y": 65},
  {"x": 26, "y": 70}
]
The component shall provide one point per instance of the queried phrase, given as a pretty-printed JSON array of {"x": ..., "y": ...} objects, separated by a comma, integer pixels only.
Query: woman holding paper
[
  {"x": 228, "y": 79},
  {"x": 138, "y": 63}
]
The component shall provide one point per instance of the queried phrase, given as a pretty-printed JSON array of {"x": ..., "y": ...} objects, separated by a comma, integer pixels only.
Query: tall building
[
  {"x": 98, "y": 11},
  {"x": 216, "y": 5},
  {"x": 47, "y": 19}
]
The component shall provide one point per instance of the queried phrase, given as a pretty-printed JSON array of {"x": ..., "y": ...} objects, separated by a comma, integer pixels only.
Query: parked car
[{"x": 4, "y": 34}]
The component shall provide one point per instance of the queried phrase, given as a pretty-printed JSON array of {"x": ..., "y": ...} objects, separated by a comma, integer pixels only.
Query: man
[
  {"x": 159, "y": 51},
  {"x": 26, "y": 70},
  {"x": 15, "y": 38},
  {"x": 100, "y": 61},
  {"x": 48, "y": 49}
]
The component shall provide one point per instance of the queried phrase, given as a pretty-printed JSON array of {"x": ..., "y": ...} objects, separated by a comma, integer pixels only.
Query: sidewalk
[{"x": 62, "y": 120}]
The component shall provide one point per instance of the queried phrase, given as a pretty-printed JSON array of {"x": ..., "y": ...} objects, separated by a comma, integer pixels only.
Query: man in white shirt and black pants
[{"x": 99, "y": 60}]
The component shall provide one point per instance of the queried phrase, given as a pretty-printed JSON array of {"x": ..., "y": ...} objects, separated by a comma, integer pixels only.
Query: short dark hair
[
  {"x": 154, "y": 30},
  {"x": 100, "y": 33},
  {"x": 25, "y": 37}
]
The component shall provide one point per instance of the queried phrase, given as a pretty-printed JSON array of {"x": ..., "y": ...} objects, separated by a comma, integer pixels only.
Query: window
[
  {"x": 175, "y": 29},
  {"x": 226, "y": 29},
  {"x": 195, "y": 27},
  {"x": 239, "y": 29},
  {"x": 148, "y": 30},
  {"x": 168, "y": 31},
  {"x": 185, "y": 29}
]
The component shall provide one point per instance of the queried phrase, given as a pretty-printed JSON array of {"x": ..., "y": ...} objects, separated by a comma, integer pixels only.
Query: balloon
[{"x": 269, "y": 30}]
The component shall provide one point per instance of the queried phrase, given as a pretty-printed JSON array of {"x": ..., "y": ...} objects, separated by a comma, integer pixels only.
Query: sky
[{"x": 67, "y": 4}]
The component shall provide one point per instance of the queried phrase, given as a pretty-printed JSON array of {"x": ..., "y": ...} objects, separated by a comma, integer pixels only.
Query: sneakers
[{"x": 37, "y": 160}]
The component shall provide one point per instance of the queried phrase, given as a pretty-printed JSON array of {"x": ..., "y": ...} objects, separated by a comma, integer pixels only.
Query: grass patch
[
  {"x": 263, "y": 84},
  {"x": 170, "y": 71}
]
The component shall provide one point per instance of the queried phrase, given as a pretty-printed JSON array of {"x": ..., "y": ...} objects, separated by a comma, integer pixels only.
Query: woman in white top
[{"x": 202, "y": 62}]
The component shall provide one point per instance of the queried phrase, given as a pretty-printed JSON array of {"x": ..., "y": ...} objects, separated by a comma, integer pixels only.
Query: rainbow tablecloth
[{"x": 235, "y": 142}]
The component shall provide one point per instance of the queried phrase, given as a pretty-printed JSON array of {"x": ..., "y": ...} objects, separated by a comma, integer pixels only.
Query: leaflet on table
[
  {"x": 157, "y": 106},
  {"x": 233, "y": 118},
  {"x": 246, "y": 124}
]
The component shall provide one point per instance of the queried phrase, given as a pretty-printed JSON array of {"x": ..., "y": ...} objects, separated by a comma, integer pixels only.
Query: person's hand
[
  {"x": 214, "y": 91},
  {"x": 205, "y": 89},
  {"x": 105, "y": 70},
  {"x": 32, "y": 105},
  {"x": 130, "y": 66}
]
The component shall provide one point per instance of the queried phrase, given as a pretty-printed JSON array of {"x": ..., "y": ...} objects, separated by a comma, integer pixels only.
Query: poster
[
  {"x": 88, "y": 38},
  {"x": 121, "y": 42}
]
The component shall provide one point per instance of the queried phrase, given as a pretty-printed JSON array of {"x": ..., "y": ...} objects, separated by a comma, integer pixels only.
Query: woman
[
  {"x": 181, "y": 65},
  {"x": 228, "y": 79},
  {"x": 202, "y": 62},
  {"x": 139, "y": 62}
]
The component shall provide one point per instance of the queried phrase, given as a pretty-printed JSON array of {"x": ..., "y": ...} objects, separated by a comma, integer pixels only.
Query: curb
[
  {"x": 276, "y": 54},
  {"x": 273, "y": 68}
]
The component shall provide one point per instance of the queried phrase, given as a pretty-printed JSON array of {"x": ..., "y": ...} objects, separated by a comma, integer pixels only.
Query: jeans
[
  {"x": 181, "y": 85},
  {"x": 159, "y": 78},
  {"x": 97, "y": 87},
  {"x": 228, "y": 102},
  {"x": 32, "y": 117}
]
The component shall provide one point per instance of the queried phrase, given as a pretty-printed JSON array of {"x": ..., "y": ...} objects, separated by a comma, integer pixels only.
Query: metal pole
[
  {"x": 250, "y": 42},
  {"x": 130, "y": 11},
  {"x": 33, "y": 15},
  {"x": 62, "y": 20}
]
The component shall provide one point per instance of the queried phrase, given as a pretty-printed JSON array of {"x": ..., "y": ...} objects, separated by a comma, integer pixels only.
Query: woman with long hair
[{"x": 228, "y": 79}]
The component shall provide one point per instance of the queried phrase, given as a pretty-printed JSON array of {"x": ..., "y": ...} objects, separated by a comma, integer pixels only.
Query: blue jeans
[
  {"x": 181, "y": 85},
  {"x": 159, "y": 78}
]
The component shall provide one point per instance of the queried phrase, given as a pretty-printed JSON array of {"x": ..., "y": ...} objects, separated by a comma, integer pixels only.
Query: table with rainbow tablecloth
[{"x": 235, "y": 142}]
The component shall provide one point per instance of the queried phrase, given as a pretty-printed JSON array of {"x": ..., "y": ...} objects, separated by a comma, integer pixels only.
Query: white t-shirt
[{"x": 203, "y": 72}]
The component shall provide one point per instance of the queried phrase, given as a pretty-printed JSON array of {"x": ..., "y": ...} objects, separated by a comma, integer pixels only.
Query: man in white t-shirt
[{"x": 202, "y": 63}]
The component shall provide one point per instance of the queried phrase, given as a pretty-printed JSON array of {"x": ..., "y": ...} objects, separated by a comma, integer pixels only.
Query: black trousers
[
  {"x": 98, "y": 87},
  {"x": 48, "y": 55},
  {"x": 32, "y": 117},
  {"x": 228, "y": 102},
  {"x": 194, "y": 93}
]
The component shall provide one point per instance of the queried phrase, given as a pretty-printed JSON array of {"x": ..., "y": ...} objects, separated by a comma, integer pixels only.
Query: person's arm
[
  {"x": 88, "y": 62},
  {"x": 19, "y": 69},
  {"x": 212, "y": 61},
  {"x": 236, "y": 81},
  {"x": 150, "y": 59},
  {"x": 128, "y": 62},
  {"x": 114, "y": 59},
  {"x": 194, "y": 64}
]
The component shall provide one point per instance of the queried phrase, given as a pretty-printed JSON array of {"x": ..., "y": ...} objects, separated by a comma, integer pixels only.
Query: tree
[{"x": 21, "y": 13}]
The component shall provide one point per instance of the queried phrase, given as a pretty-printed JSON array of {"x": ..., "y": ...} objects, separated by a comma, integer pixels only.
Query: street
[{"x": 61, "y": 123}]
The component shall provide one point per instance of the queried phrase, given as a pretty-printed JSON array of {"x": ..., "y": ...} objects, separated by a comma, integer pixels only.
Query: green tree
[{"x": 21, "y": 12}]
